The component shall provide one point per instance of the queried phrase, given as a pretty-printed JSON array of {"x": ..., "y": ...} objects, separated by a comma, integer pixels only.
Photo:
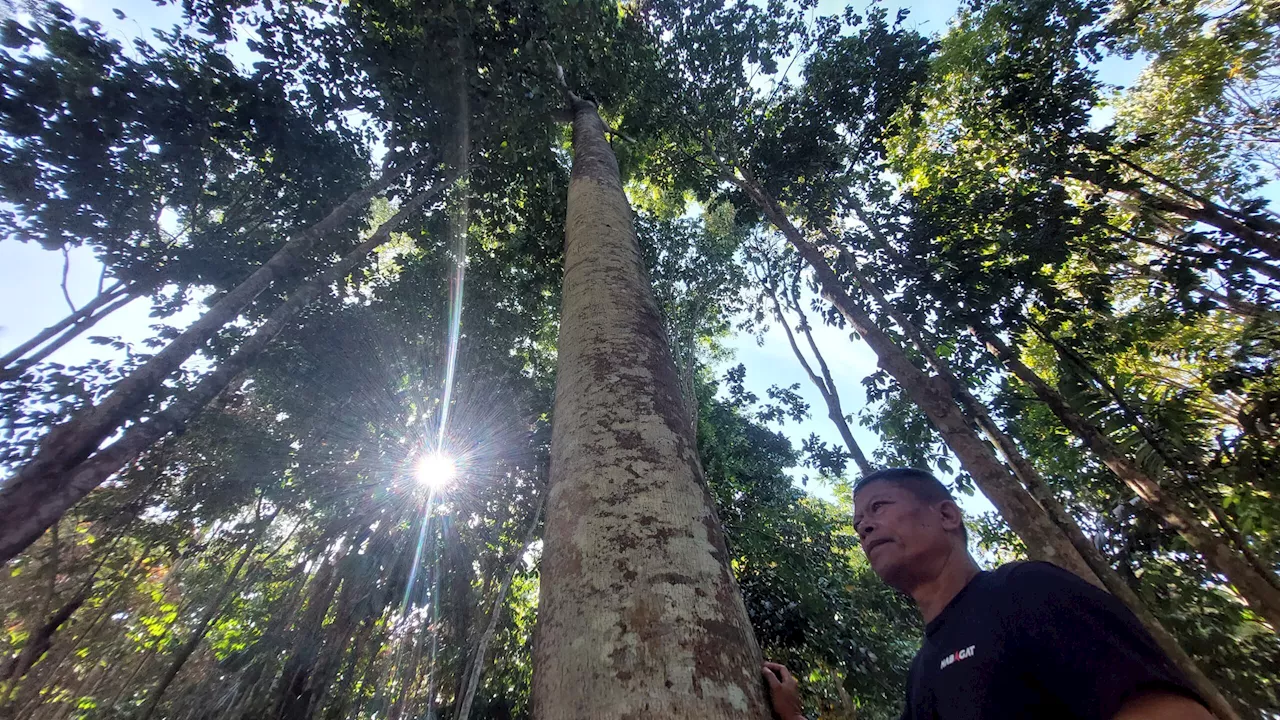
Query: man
[{"x": 1027, "y": 640}]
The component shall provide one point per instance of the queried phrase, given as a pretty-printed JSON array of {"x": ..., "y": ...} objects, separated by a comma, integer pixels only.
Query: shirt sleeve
[{"x": 1082, "y": 646}]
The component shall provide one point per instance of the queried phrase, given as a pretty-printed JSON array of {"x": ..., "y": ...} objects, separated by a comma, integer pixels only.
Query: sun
[{"x": 435, "y": 471}]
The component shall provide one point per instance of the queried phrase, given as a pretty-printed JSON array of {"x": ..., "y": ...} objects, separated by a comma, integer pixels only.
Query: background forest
[{"x": 315, "y": 488}]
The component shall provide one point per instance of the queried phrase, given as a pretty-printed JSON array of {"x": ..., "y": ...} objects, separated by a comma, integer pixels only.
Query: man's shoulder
[
  {"x": 1024, "y": 585},
  {"x": 1035, "y": 589},
  {"x": 1034, "y": 573}
]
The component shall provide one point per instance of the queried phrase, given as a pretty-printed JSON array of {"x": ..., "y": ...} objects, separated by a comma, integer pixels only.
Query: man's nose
[{"x": 864, "y": 529}]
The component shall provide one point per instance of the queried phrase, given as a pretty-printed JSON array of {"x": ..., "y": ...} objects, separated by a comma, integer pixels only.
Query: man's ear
[{"x": 952, "y": 518}]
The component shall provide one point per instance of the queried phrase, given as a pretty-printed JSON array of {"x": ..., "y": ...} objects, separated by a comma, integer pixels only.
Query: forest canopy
[{"x": 450, "y": 318}]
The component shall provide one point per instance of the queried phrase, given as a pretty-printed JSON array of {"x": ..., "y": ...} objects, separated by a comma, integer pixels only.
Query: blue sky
[{"x": 31, "y": 299}]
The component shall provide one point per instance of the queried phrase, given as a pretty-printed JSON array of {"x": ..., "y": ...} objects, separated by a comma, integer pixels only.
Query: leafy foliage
[{"x": 276, "y": 556}]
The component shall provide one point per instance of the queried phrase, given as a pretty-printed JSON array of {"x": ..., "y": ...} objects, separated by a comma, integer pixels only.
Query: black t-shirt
[{"x": 1030, "y": 640}]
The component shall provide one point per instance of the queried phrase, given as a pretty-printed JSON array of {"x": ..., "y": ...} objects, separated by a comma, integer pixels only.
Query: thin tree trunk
[
  {"x": 340, "y": 699},
  {"x": 16, "y": 699},
  {"x": 1022, "y": 469},
  {"x": 338, "y": 639},
  {"x": 366, "y": 682},
  {"x": 75, "y": 331},
  {"x": 1261, "y": 595},
  {"x": 825, "y": 384},
  {"x": 1043, "y": 539},
  {"x": 295, "y": 690},
  {"x": 471, "y": 680},
  {"x": 84, "y": 317},
  {"x": 1111, "y": 580},
  {"x": 639, "y": 613},
  {"x": 1214, "y": 250},
  {"x": 42, "y": 639},
  {"x": 72, "y": 442},
  {"x": 127, "y": 685},
  {"x": 1244, "y": 230},
  {"x": 302, "y": 678},
  {"x": 1257, "y": 230},
  {"x": 31, "y": 502},
  {"x": 210, "y": 613},
  {"x": 1225, "y": 300}
]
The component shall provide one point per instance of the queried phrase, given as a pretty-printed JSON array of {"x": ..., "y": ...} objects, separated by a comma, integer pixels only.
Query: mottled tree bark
[
  {"x": 1259, "y": 592},
  {"x": 639, "y": 614},
  {"x": 32, "y": 501}
]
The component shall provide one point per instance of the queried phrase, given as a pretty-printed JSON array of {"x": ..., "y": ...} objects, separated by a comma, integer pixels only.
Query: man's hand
[{"x": 784, "y": 692}]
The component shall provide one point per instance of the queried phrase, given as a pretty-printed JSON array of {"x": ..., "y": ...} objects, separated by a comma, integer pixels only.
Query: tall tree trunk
[
  {"x": 32, "y": 501},
  {"x": 127, "y": 686},
  {"x": 73, "y": 441},
  {"x": 686, "y": 359},
  {"x": 1256, "y": 230},
  {"x": 211, "y": 612},
  {"x": 1021, "y": 468},
  {"x": 826, "y": 384},
  {"x": 639, "y": 613},
  {"x": 1261, "y": 595},
  {"x": 27, "y": 692},
  {"x": 340, "y": 638},
  {"x": 1111, "y": 580},
  {"x": 304, "y": 675},
  {"x": 1044, "y": 540},
  {"x": 475, "y": 668},
  {"x": 1213, "y": 250},
  {"x": 340, "y": 699}
]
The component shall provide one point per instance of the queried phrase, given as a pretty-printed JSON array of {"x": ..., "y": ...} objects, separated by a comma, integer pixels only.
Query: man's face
[{"x": 905, "y": 539}]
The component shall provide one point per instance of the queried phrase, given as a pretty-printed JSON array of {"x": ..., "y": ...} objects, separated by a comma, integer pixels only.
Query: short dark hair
[{"x": 924, "y": 485}]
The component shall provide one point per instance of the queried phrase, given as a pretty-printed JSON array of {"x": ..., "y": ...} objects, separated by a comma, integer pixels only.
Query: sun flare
[{"x": 435, "y": 471}]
